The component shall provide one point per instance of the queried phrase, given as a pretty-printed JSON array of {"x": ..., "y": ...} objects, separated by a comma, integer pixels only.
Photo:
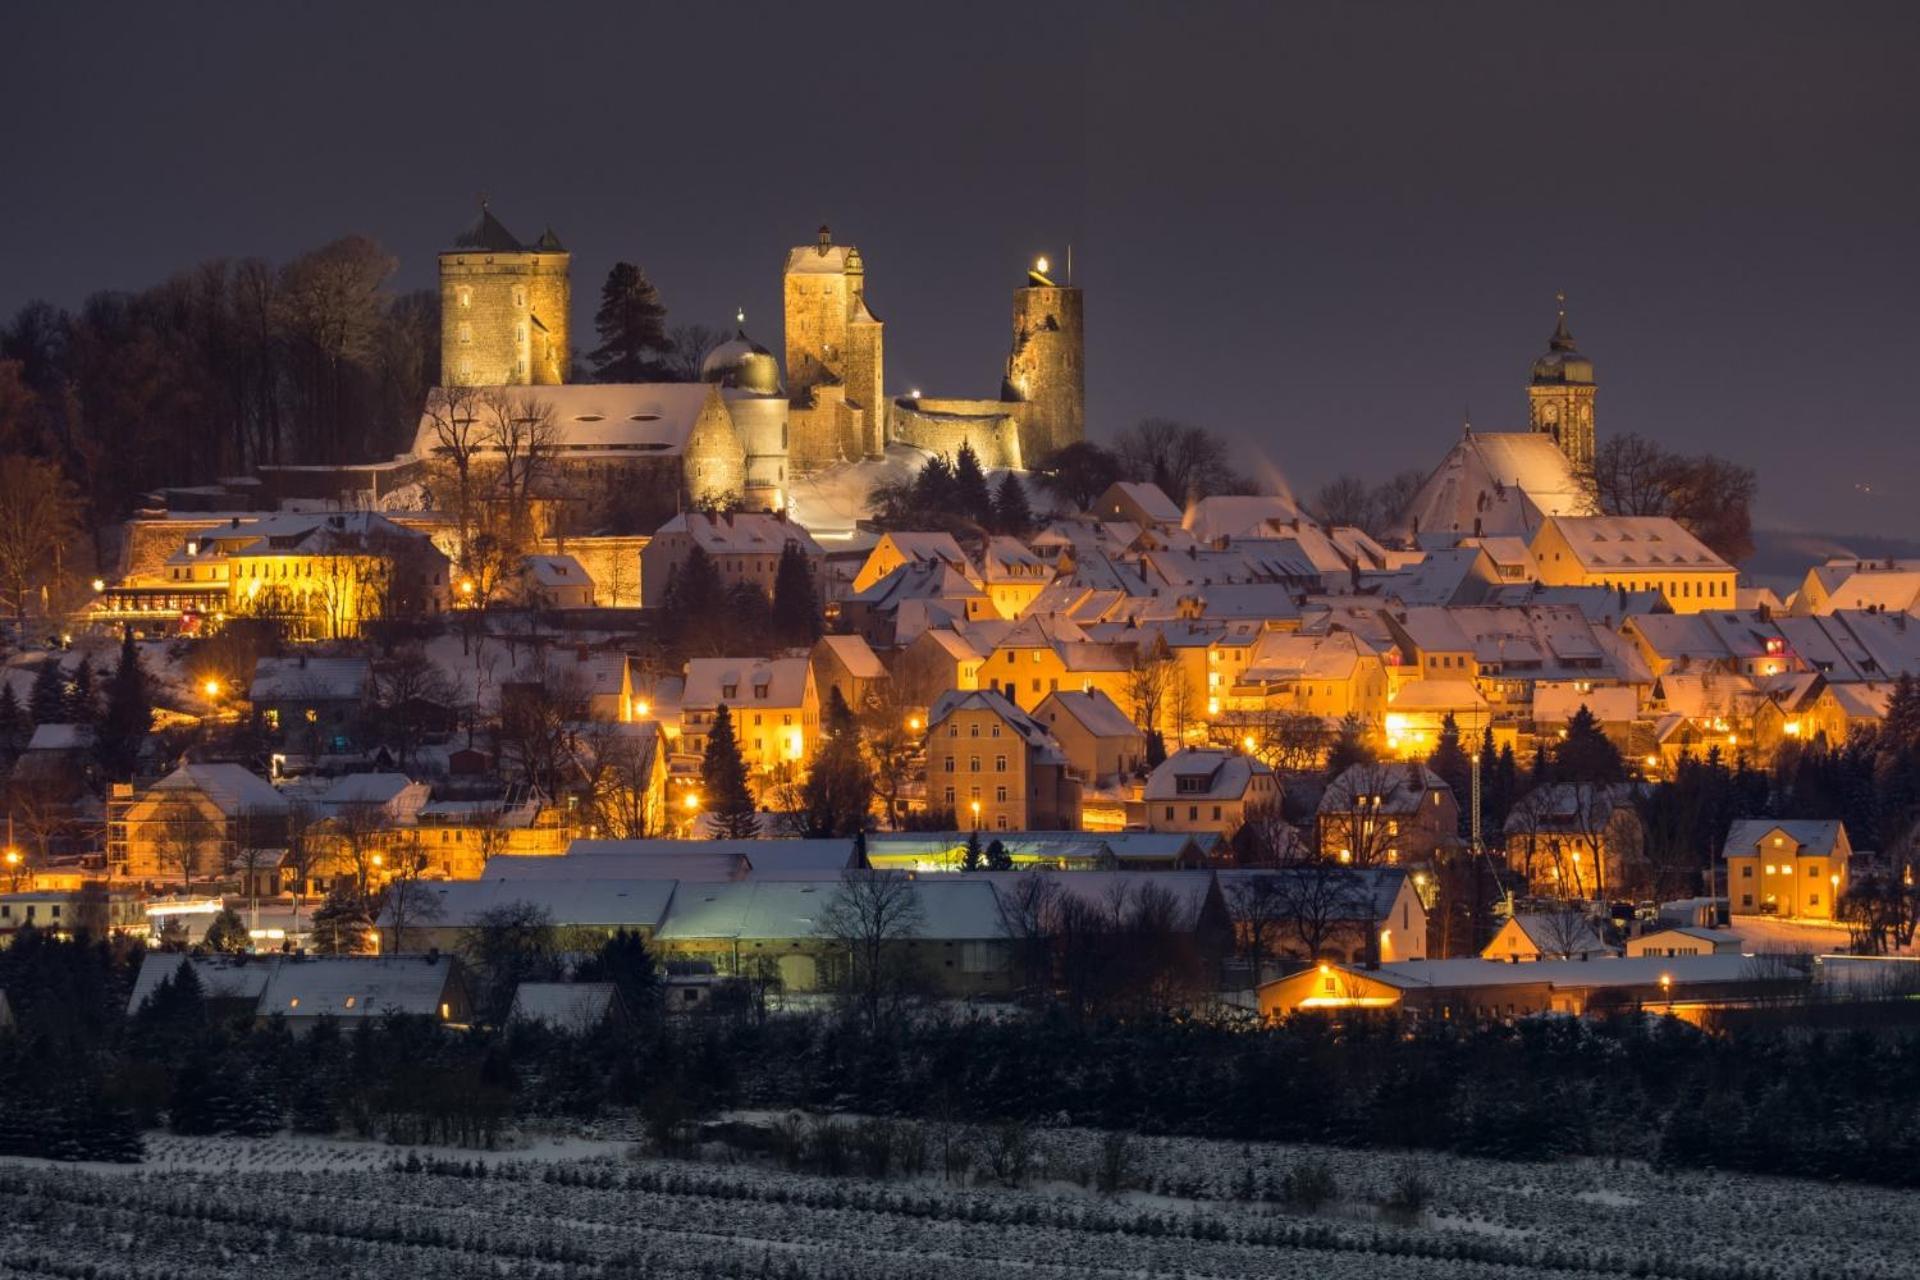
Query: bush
[
  {"x": 1409, "y": 1197},
  {"x": 827, "y": 1144},
  {"x": 912, "y": 1147},
  {"x": 1010, "y": 1153},
  {"x": 1309, "y": 1185},
  {"x": 1114, "y": 1173},
  {"x": 874, "y": 1140}
]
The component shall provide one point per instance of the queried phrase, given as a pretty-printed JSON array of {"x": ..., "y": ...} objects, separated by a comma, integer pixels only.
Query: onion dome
[
  {"x": 743, "y": 364},
  {"x": 1562, "y": 362}
]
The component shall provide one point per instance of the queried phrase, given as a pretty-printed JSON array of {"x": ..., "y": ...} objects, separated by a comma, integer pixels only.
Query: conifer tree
[
  {"x": 228, "y": 933},
  {"x": 796, "y": 600},
  {"x": 1156, "y": 749},
  {"x": 13, "y": 719},
  {"x": 342, "y": 922},
  {"x": 972, "y": 499},
  {"x": 1450, "y": 761},
  {"x": 1349, "y": 747},
  {"x": 723, "y": 777},
  {"x": 1012, "y": 514},
  {"x": 1586, "y": 755},
  {"x": 632, "y": 325},
  {"x": 747, "y": 615},
  {"x": 998, "y": 859},
  {"x": 82, "y": 706},
  {"x": 933, "y": 488},
  {"x": 972, "y": 858},
  {"x": 47, "y": 701},
  {"x": 1900, "y": 730},
  {"x": 691, "y": 606},
  {"x": 129, "y": 713},
  {"x": 837, "y": 797}
]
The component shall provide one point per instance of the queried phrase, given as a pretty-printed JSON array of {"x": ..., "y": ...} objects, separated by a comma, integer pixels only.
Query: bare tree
[
  {"x": 39, "y": 523},
  {"x": 1343, "y": 500},
  {"x": 257, "y": 836},
  {"x": 458, "y": 445},
  {"x": 409, "y": 899},
  {"x": 180, "y": 833},
  {"x": 1260, "y": 912},
  {"x": 624, "y": 764},
  {"x": 691, "y": 345},
  {"x": 1316, "y": 903},
  {"x": 1566, "y": 932},
  {"x": 358, "y": 830},
  {"x": 407, "y": 689},
  {"x": 521, "y": 431},
  {"x": 1029, "y": 908},
  {"x": 1149, "y": 674},
  {"x": 1711, "y": 497},
  {"x": 891, "y": 742},
  {"x": 1186, "y": 462},
  {"x": 869, "y": 921}
]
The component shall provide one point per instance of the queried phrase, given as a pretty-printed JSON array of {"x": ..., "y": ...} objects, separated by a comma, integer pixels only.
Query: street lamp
[
  {"x": 975, "y": 806},
  {"x": 99, "y": 585},
  {"x": 913, "y": 723},
  {"x": 211, "y": 687}
]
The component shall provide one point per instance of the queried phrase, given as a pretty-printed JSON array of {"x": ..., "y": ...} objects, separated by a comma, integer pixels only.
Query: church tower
[
  {"x": 835, "y": 353},
  {"x": 503, "y": 309},
  {"x": 1047, "y": 368},
  {"x": 1560, "y": 396}
]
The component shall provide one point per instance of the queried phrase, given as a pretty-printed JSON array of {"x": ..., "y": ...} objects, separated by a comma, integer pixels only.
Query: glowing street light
[
  {"x": 99, "y": 584},
  {"x": 211, "y": 687},
  {"x": 467, "y": 588},
  {"x": 913, "y": 723},
  {"x": 691, "y": 802}
]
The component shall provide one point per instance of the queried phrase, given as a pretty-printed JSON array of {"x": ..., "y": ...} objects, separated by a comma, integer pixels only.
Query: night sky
[{"x": 1326, "y": 233}]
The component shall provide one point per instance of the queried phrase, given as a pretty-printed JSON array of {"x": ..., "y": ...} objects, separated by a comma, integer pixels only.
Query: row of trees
[
  {"x": 1185, "y": 461},
  {"x": 954, "y": 494},
  {"x": 697, "y": 599}
]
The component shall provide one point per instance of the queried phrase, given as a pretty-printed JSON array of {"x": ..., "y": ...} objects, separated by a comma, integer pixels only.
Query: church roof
[
  {"x": 1562, "y": 362},
  {"x": 549, "y": 242},
  {"x": 823, "y": 257},
  {"x": 491, "y": 236},
  {"x": 1502, "y": 484}
]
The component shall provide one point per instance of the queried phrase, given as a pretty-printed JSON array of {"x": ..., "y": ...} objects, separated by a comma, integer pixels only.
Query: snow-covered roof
[
  {"x": 856, "y": 655},
  {"x": 1818, "y": 837},
  {"x": 1148, "y": 497},
  {"x": 760, "y": 682},
  {"x": 1354, "y": 893},
  {"x": 1402, "y": 787},
  {"x": 1094, "y": 711},
  {"x": 1032, "y": 731},
  {"x": 221, "y": 978},
  {"x": 565, "y": 1006},
  {"x": 588, "y": 419},
  {"x": 1239, "y": 516},
  {"x": 61, "y": 737},
  {"x": 1606, "y": 971},
  {"x": 1556, "y": 702},
  {"x": 231, "y": 788},
  {"x": 351, "y": 987},
  {"x": 303, "y": 676},
  {"x": 593, "y": 903},
  {"x": 1571, "y": 935},
  {"x": 743, "y": 533},
  {"x": 957, "y": 908},
  {"x": 1640, "y": 543},
  {"x": 1495, "y": 484},
  {"x": 1225, "y": 775}
]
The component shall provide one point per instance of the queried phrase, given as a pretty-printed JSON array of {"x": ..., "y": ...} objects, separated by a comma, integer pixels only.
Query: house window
[
  {"x": 949, "y": 797},
  {"x": 1746, "y": 871},
  {"x": 973, "y": 764},
  {"x": 949, "y": 764},
  {"x": 1000, "y": 794},
  {"x": 999, "y": 764},
  {"x": 1169, "y": 813},
  {"x": 1193, "y": 813},
  {"x": 1000, "y": 822},
  {"x": 1216, "y": 813}
]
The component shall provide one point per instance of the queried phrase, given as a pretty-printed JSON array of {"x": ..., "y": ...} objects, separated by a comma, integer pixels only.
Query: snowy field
[{"x": 577, "y": 1208}]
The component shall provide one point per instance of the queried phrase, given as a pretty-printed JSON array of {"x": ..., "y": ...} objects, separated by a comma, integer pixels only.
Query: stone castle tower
[
  {"x": 835, "y": 356},
  {"x": 1560, "y": 395},
  {"x": 503, "y": 309},
  {"x": 1047, "y": 370}
]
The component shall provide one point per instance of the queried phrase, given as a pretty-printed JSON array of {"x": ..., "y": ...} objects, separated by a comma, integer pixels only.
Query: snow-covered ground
[{"x": 298, "y": 1208}]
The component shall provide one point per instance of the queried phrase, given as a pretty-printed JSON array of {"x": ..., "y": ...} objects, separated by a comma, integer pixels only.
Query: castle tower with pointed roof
[
  {"x": 1560, "y": 395},
  {"x": 503, "y": 309},
  {"x": 1047, "y": 367},
  {"x": 835, "y": 356}
]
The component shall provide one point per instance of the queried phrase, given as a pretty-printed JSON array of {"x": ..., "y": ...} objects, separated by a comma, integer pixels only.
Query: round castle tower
[{"x": 1046, "y": 370}]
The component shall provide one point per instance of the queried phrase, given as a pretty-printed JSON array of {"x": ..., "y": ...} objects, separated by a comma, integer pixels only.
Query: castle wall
[
  {"x": 992, "y": 427},
  {"x": 1046, "y": 370},
  {"x": 865, "y": 363},
  {"x": 825, "y": 432},
  {"x": 816, "y": 316}
]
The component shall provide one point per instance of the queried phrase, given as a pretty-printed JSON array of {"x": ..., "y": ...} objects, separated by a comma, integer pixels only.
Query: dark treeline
[
  {"x": 79, "y": 1080},
  {"x": 219, "y": 369}
]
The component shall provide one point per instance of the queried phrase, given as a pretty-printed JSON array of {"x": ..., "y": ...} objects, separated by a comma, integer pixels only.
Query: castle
[{"x": 637, "y": 452}]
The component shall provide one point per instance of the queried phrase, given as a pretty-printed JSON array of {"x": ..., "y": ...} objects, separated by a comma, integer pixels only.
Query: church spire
[{"x": 1562, "y": 340}]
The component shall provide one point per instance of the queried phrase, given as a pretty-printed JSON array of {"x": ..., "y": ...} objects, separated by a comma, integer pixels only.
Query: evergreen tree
[
  {"x": 632, "y": 325},
  {"x": 129, "y": 713},
  {"x": 723, "y": 777},
  {"x": 933, "y": 488},
  {"x": 82, "y": 706},
  {"x": 1587, "y": 755},
  {"x": 1539, "y": 772},
  {"x": 13, "y": 719},
  {"x": 1156, "y": 749},
  {"x": 625, "y": 961},
  {"x": 998, "y": 859},
  {"x": 972, "y": 499},
  {"x": 690, "y": 609},
  {"x": 748, "y": 617},
  {"x": 1349, "y": 747},
  {"x": 972, "y": 858},
  {"x": 837, "y": 797},
  {"x": 47, "y": 701},
  {"x": 228, "y": 933},
  {"x": 1900, "y": 731},
  {"x": 313, "y": 1107},
  {"x": 342, "y": 922},
  {"x": 1455, "y": 767},
  {"x": 796, "y": 600},
  {"x": 1012, "y": 514}
]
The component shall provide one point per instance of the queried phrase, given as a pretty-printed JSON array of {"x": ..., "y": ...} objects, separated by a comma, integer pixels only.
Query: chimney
[{"x": 236, "y": 522}]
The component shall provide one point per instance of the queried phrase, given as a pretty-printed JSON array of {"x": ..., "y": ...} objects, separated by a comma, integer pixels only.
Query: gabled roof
[
  {"x": 221, "y": 977},
  {"x": 608, "y": 903},
  {"x": 1640, "y": 544},
  {"x": 1817, "y": 836},
  {"x": 231, "y": 787},
  {"x": 1403, "y": 786},
  {"x": 564, "y": 1006},
  {"x": 1030, "y": 730},
  {"x": 1494, "y": 484},
  {"x": 784, "y": 681},
  {"x": 290, "y": 679},
  {"x": 489, "y": 235},
  {"x": 856, "y": 655},
  {"x": 1094, "y": 711},
  {"x": 351, "y": 987},
  {"x": 1357, "y": 893},
  {"x": 1228, "y": 775}
]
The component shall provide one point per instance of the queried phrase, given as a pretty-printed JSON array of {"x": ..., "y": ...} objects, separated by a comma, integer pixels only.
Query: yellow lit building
[
  {"x": 1793, "y": 867},
  {"x": 774, "y": 703},
  {"x": 1634, "y": 553},
  {"x": 996, "y": 767}
]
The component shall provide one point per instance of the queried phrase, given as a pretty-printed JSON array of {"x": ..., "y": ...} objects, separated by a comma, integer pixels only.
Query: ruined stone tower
[
  {"x": 1560, "y": 395},
  {"x": 503, "y": 309},
  {"x": 835, "y": 356},
  {"x": 1046, "y": 370}
]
